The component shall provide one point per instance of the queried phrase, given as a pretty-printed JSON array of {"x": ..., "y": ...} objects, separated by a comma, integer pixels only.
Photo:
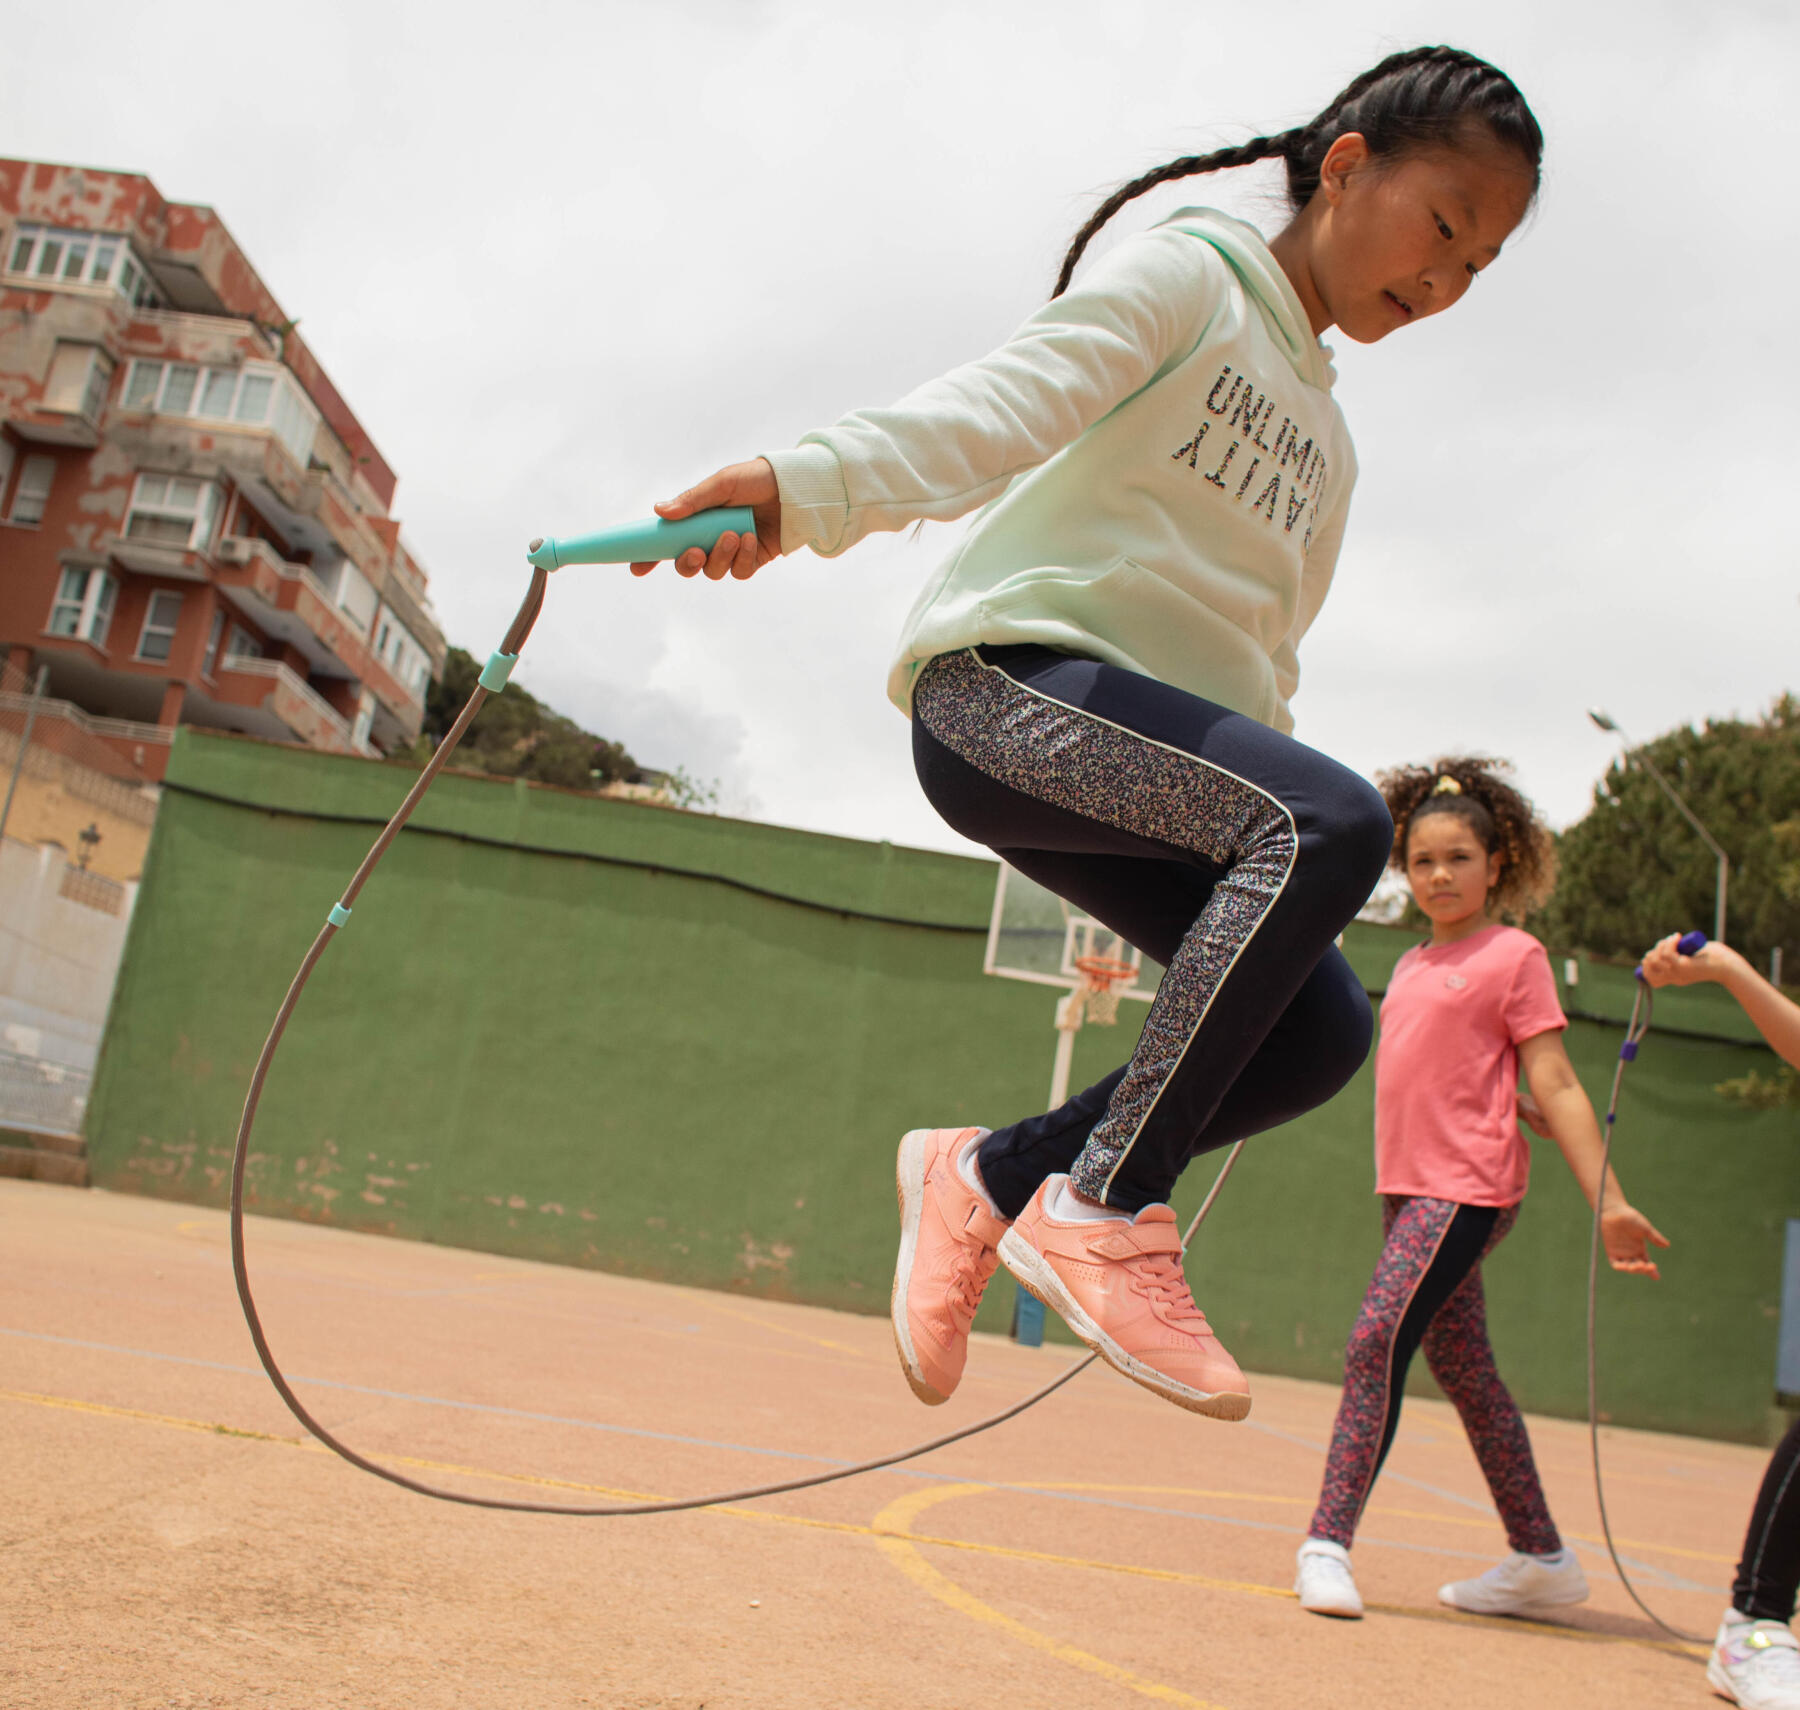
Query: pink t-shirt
[{"x": 1447, "y": 1067}]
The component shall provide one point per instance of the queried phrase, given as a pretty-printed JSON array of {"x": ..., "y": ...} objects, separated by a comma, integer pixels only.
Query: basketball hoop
[
  {"x": 1037, "y": 937},
  {"x": 1099, "y": 975}
]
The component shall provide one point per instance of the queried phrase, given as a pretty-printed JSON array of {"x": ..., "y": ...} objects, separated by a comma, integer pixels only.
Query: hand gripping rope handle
[
  {"x": 634, "y": 542},
  {"x": 1690, "y": 945}
]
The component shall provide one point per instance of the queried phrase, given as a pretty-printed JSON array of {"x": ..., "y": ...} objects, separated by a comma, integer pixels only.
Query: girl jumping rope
[
  {"x": 1755, "y": 1659},
  {"x": 1098, "y": 678},
  {"x": 1462, "y": 1015}
]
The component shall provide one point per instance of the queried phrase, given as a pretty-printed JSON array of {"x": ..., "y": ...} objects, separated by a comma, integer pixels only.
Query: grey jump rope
[
  {"x": 1636, "y": 1028},
  {"x": 658, "y": 540},
  {"x": 493, "y": 680}
]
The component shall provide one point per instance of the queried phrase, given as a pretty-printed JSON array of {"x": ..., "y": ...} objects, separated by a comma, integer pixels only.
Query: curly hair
[{"x": 1471, "y": 787}]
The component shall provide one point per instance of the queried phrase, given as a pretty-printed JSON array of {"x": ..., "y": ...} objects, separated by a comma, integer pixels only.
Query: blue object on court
[
  {"x": 1787, "y": 1366},
  {"x": 1028, "y": 1319},
  {"x": 339, "y": 916},
  {"x": 497, "y": 671},
  {"x": 642, "y": 542}
]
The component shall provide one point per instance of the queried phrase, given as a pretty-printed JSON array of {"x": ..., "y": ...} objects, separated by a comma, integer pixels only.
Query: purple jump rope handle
[{"x": 1691, "y": 944}]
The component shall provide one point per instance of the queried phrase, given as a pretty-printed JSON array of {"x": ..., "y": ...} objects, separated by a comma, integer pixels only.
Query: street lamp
[{"x": 1632, "y": 752}]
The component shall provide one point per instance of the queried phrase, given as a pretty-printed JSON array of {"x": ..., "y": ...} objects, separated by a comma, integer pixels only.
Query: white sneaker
[
  {"x": 1519, "y": 1584},
  {"x": 1755, "y": 1663},
  {"x": 1324, "y": 1581}
]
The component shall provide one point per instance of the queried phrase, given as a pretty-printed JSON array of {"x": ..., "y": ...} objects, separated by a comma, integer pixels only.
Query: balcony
[
  {"x": 289, "y": 709},
  {"x": 287, "y": 601},
  {"x": 41, "y": 425},
  {"x": 73, "y": 398}
]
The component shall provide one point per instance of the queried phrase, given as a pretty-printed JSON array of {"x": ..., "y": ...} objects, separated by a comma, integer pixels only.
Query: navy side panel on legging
[
  {"x": 1768, "y": 1574},
  {"x": 1228, "y": 852}
]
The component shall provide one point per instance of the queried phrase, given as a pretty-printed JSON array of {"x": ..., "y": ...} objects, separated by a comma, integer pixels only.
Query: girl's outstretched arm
[
  {"x": 955, "y": 442},
  {"x": 1626, "y": 1233},
  {"x": 1777, "y": 1017},
  {"x": 739, "y": 556}
]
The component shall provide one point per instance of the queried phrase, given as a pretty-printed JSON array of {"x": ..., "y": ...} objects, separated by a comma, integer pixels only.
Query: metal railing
[
  {"x": 40, "y": 1096},
  {"x": 295, "y": 685}
]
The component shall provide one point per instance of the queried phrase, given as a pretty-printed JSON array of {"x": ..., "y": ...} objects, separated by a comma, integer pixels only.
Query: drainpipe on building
[{"x": 12, "y": 783}]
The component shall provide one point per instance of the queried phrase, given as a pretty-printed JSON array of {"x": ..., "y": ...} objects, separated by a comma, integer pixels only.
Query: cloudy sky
[{"x": 563, "y": 259}]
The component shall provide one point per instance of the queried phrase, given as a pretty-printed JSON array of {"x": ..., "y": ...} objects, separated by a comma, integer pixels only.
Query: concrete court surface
[{"x": 170, "y": 1537}]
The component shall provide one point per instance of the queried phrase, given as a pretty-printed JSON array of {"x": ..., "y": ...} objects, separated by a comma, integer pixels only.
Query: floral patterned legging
[{"x": 1427, "y": 1290}]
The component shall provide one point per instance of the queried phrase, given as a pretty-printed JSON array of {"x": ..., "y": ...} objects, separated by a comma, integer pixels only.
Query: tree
[
  {"x": 1632, "y": 870},
  {"x": 515, "y": 735}
]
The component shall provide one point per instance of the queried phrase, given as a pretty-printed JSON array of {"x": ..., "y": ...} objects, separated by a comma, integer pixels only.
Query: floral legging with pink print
[{"x": 1427, "y": 1291}]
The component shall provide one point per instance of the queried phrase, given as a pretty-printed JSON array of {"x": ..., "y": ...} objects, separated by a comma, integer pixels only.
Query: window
[
  {"x": 212, "y": 643},
  {"x": 32, "y": 494},
  {"x": 6, "y": 463},
  {"x": 257, "y": 394},
  {"x": 365, "y": 716},
  {"x": 157, "y": 639},
  {"x": 352, "y": 592},
  {"x": 242, "y": 645},
  {"x": 84, "y": 605},
  {"x": 82, "y": 258},
  {"x": 170, "y": 510},
  {"x": 80, "y": 375}
]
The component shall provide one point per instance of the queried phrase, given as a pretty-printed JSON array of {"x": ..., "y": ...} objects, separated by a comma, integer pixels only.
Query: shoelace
[
  {"x": 968, "y": 1277},
  {"x": 1164, "y": 1284}
]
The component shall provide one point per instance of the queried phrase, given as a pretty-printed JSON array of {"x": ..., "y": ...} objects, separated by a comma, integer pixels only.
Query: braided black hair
[
  {"x": 1409, "y": 101},
  {"x": 1474, "y": 789}
]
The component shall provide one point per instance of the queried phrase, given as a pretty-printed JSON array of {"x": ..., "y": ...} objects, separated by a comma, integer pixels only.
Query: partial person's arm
[
  {"x": 1567, "y": 1116},
  {"x": 952, "y": 444},
  {"x": 1776, "y": 1016}
]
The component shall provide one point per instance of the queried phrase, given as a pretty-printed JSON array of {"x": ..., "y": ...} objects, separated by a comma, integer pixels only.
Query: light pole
[{"x": 1632, "y": 752}]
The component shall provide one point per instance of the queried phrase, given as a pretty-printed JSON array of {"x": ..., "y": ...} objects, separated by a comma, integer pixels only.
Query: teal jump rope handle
[{"x": 642, "y": 542}]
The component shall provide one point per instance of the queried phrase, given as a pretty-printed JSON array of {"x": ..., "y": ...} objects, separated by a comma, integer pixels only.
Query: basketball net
[{"x": 1096, "y": 999}]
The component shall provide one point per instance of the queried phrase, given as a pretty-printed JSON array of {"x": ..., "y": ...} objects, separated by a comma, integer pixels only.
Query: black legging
[
  {"x": 1768, "y": 1572},
  {"x": 1226, "y": 851}
]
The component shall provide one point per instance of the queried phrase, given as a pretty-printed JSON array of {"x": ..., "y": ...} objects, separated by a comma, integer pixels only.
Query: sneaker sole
[
  {"x": 1719, "y": 1680},
  {"x": 1338, "y": 1612},
  {"x": 1036, "y": 1274},
  {"x": 1539, "y": 1606},
  {"x": 909, "y": 1189}
]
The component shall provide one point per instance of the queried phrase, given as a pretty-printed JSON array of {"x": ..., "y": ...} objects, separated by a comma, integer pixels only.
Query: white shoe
[
  {"x": 1519, "y": 1584},
  {"x": 1755, "y": 1663},
  {"x": 1324, "y": 1581}
]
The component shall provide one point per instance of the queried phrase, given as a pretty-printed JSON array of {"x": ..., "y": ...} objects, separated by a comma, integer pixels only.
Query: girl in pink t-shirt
[{"x": 1463, "y": 1014}]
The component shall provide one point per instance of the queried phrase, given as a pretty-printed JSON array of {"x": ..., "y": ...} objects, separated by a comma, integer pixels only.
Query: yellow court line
[
  {"x": 1250, "y": 1588},
  {"x": 782, "y": 1330},
  {"x": 895, "y": 1520},
  {"x": 1490, "y": 1523},
  {"x": 879, "y": 1529}
]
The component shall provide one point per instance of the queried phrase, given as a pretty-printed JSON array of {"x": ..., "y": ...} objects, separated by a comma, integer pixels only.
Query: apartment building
[{"x": 194, "y": 525}]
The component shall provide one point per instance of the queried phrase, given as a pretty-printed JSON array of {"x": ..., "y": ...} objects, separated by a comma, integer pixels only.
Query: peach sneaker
[
  {"x": 948, "y": 1236},
  {"x": 1118, "y": 1284}
]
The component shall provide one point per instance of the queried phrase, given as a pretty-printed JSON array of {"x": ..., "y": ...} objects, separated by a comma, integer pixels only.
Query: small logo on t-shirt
[{"x": 1455, "y": 982}]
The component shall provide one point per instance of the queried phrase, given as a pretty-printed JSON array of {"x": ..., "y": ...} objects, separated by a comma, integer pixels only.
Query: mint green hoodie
[{"x": 1164, "y": 471}]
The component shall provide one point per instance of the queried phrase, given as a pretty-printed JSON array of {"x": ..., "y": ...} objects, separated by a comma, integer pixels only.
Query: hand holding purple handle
[{"x": 1691, "y": 944}]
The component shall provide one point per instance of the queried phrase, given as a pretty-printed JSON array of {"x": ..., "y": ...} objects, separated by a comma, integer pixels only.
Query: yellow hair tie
[{"x": 1446, "y": 786}]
